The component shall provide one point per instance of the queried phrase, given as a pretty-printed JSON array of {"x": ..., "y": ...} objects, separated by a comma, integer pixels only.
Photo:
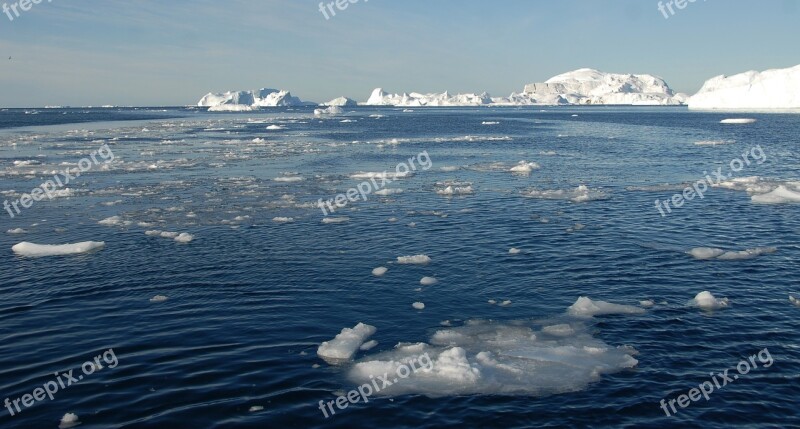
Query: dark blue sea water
[{"x": 250, "y": 299}]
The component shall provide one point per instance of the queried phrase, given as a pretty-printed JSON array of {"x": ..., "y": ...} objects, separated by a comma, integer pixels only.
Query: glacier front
[{"x": 768, "y": 90}]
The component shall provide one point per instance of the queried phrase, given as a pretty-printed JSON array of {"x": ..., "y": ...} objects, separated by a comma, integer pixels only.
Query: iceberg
[
  {"x": 263, "y": 97},
  {"x": 583, "y": 86},
  {"x": 341, "y": 102},
  {"x": 753, "y": 90}
]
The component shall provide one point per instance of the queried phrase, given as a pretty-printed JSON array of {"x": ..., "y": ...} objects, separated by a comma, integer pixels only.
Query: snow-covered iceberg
[
  {"x": 263, "y": 97},
  {"x": 768, "y": 90},
  {"x": 341, "y": 102},
  {"x": 583, "y": 86},
  {"x": 589, "y": 86}
]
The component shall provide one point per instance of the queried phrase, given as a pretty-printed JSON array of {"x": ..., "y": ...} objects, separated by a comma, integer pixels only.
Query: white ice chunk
[
  {"x": 345, "y": 345},
  {"x": 36, "y": 250},
  {"x": 587, "y": 308},
  {"x": 414, "y": 260},
  {"x": 707, "y": 301}
]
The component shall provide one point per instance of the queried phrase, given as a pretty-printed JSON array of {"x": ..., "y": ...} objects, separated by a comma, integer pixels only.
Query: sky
[{"x": 172, "y": 52}]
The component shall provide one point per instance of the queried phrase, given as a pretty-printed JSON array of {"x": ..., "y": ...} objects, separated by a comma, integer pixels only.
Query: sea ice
[
  {"x": 380, "y": 271},
  {"x": 36, "y": 250},
  {"x": 428, "y": 281},
  {"x": 345, "y": 345},
  {"x": 418, "y": 305},
  {"x": 707, "y": 301},
  {"x": 414, "y": 260},
  {"x": 585, "y": 307}
]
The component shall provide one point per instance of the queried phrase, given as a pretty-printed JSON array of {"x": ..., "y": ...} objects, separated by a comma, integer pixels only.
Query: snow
[
  {"x": 414, "y": 260},
  {"x": 707, "y": 301},
  {"x": 586, "y": 307},
  {"x": 492, "y": 358},
  {"x": 264, "y": 97},
  {"x": 752, "y": 90},
  {"x": 345, "y": 345},
  {"x": 341, "y": 102},
  {"x": 36, "y": 250}
]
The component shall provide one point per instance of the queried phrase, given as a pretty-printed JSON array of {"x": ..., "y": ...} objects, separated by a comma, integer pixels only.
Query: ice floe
[
  {"x": 414, "y": 260},
  {"x": 380, "y": 271},
  {"x": 707, "y": 301},
  {"x": 346, "y": 344},
  {"x": 708, "y": 253},
  {"x": 35, "y": 250},
  {"x": 581, "y": 194},
  {"x": 586, "y": 307}
]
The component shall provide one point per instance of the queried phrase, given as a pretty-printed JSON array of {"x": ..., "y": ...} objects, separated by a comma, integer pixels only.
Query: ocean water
[{"x": 250, "y": 299}]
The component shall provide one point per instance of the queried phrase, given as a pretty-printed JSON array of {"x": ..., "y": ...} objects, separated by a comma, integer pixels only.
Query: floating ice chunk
[
  {"x": 232, "y": 108},
  {"x": 256, "y": 408},
  {"x": 385, "y": 192},
  {"x": 16, "y": 231},
  {"x": 36, "y": 250},
  {"x": 380, "y": 271},
  {"x": 781, "y": 195},
  {"x": 456, "y": 190},
  {"x": 525, "y": 167},
  {"x": 714, "y": 142},
  {"x": 289, "y": 179},
  {"x": 283, "y": 219},
  {"x": 414, "y": 260},
  {"x": 111, "y": 221},
  {"x": 514, "y": 251},
  {"x": 490, "y": 123},
  {"x": 369, "y": 345},
  {"x": 492, "y": 301},
  {"x": 647, "y": 303},
  {"x": 418, "y": 305},
  {"x": 704, "y": 253},
  {"x": 330, "y": 110},
  {"x": 581, "y": 194},
  {"x": 275, "y": 127},
  {"x": 428, "y": 281},
  {"x": 794, "y": 300},
  {"x": 69, "y": 420},
  {"x": 345, "y": 345},
  {"x": 707, "y": 253},
  {"x": 382, "y": 175},
  {"x": 738, "y": 121},
  {"x": 336, "y": 219},
  {"x": 184, "y": 238},
  {"x": 153, "y": 233},
  {"x": 585, "y": 307},
  {"x": 158, "y": 298},
  {"x": 491, "y": 358},
  {"x": 168, "y": 234},
  {"x": 505, "y": 303},
  {"x": 707, "y": 301}
]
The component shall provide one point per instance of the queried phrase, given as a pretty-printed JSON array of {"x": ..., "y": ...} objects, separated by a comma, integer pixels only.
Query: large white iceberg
[
  {"x": 263, "y": 97},
  {"x": 771, "y": 89},
  {"x": 583, "y": 86}
]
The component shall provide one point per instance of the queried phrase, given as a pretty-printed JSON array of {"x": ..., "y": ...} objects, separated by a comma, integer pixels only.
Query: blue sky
[{"x": 172, "y": 52}]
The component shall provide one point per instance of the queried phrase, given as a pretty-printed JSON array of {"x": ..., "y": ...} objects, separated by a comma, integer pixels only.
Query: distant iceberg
[
  {"x": 583, "y": 86},
  {"x": 768, "y": 90},
  {"x": 263, "y": 97},
  {"x": 341, "y": 102}
]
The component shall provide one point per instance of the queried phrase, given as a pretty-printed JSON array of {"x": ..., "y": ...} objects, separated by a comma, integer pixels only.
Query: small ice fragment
[
  {"x": 335, "y": 220},
  {"x": 492, "y": 301},
  {"x": 283, "y": 219},
  {"x": 414, "y": 260},
  {"x": 428, "y": 281},
  {"x": 647, "y": 303},
  {"x": 514, "y": 251},
  {"x": 69, "y": 420},
  {"x": 505, "y": 303},
  {"x": 345, "y": 344},
  {"x": 378, "y": 272},
  {"x": 707, "y": 301},
  {"x": 418, "y": 305},
  {"x": 738, "y": 121},
  {"x": 184, "y": 238},
  {"x": 256, "y": 408},
  {"x": 369, "y": 345},
  {"x": 588, "y": 308},
  {"x": 36, "y": 250},
  {"x": 16, "y": 231},
  {"x": 158, "y": 298}
]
